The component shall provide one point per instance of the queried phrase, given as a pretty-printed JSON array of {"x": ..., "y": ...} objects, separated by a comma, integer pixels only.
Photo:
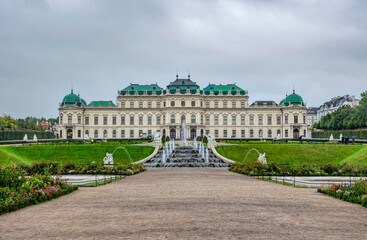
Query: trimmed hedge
[
  {"x": 28, "y": 202},
  {"x": 19, "y": 135},
  {"x": 360, "y": 134}
]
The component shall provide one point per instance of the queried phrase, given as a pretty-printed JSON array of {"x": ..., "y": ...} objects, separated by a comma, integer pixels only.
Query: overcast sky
[{"x": 96, "y": 47}]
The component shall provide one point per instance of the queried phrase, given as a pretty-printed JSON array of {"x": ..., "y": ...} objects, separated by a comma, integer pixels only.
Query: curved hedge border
[{"x": 33, "y": 201}]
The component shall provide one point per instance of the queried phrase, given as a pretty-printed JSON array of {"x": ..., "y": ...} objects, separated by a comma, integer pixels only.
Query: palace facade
[{"x": 221, "y": 110}]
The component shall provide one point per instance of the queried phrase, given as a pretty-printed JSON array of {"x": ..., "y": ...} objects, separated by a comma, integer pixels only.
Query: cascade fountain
[
  {"x": 184, "y": 133},
  {"x": 207, "y": 156}
]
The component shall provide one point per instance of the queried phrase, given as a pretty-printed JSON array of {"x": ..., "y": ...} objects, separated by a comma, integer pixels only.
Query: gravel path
[{"x": 188, "y": 204}]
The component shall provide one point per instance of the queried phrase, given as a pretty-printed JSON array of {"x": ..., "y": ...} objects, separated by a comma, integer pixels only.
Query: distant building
[
  {"x": 311, "y": 116},
  {"x": 335, "y": 103}
]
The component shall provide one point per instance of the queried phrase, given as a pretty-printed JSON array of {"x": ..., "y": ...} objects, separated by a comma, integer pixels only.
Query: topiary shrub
[{"x": 205, "y": 140}]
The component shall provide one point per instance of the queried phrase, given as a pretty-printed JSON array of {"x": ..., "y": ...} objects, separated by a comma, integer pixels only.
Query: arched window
[
  {"x": 260, "y": 133},
  {"x": 86, "y": 133},
  {"x": 95, "y": 133},
  {"x": 173, "y": 119},
  {"x": 193, "y": 104},
  {"x": 105, "y": 134},
  {"x": 193, "y": 118},
  {"x": 172, "y": 103},
  {"x": 278, "y": 132},
  {"x": 269, "y": 133},
  {"x": 183, "y": 104},
  {"x": 114, "y": 133}
]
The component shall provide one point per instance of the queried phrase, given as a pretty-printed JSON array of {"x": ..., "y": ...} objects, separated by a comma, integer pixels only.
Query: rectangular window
[
  {"x": 224, "y": 104},
  {"x": 207, "y": 132},
  {"x": 149, "y": 120},
  {"x": 286, "y": 133},
  {"x": 113, "y": 120},
  {"x": 104, "y": 120},
  {"x": 86, "y": 120},
  {"x": 295, "y": 119},
  {"x": 225, "y": 120},
  {"x": 269, "y": 120},
  {"x": 60, "y": 133},
  {"x": 216, "y": 133},
  {"x": 149, "y": 132},
  {"x": 79, "y": 119},
  {"x": 131, "y": 133},
  {"x": 242, "y": 133},
  {"x": 251, "y": 133},
  {"x": 215, "y": 104},
  {"x": 61, "y": 118},
  {"x": 286, "y": 119},
  {"x": 140, "y": 104},
  {"x": 70, "y": 119},
  {"x": 216, "y": 121},
  {"x": 123, "y": 120},
  {"x": 96, "y": 120},
  {"x": 158, "y": 120},
  {"x": 149, "y": 104},
  {"x": 304, "y": 119},
  {"x": 131, "y": 120},
  {"x": 122, "y": 104},
  {"x": 140, "y": 120},
  {"x": 242, "y": 120},
  {"x": 158, "y": 104},
  {"x": 233, "y": 104},
  {"x": 242, "y": 104},
  {"x": 234, "y": 122},
  {"x": 207, "y": 104},
  {"x": 278, "y": 120},
  {"x": 224, "y": 133},
  {"x": 131, "y": 104},
  {"x": 79, "y": 133},
  {"x": 234, "y": 133},
  {"x": 260, "y": 120},
  {"x": 122, "y": 133},
  {"x": 207, "y": 120},
  {"x": 140, "y": 133},
  {"x": 251, "y": 120}
]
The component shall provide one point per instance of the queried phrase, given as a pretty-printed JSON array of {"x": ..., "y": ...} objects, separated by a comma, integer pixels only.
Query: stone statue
[
  {"x": 210, "y": 137},
  {"x": 262, "y": 158},
  {"x": 331, "y": 138},
  {"x": 157, "y": 137},
  {"x": 108, "y": 159}
]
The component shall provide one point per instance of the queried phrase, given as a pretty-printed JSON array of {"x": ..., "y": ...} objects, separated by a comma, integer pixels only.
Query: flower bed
[
  {"x": 18, "y": 190},
  {"x": 356, "y": 193},
  {"x": 272, "y": 169},
  {"x": 81, "y": 168}
]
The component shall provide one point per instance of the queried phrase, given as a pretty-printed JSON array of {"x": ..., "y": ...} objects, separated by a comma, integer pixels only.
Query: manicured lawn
[
  {"x": 70, "y": 153},
  {"x": 298, "y": 154}
]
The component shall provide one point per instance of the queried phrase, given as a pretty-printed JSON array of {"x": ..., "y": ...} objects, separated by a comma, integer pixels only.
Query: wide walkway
[{"x": 189, "y": 204}]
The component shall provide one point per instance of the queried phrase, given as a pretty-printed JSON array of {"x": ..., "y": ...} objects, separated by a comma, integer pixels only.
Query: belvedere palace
[{"x": 221, "y": 110}]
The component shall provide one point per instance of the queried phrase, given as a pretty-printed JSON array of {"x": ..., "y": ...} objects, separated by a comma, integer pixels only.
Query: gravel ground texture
[{"x": 188, "y": 204}]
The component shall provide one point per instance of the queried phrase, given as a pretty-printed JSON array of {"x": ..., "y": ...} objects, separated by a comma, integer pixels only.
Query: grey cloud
[{"x": 98, "y": 47}]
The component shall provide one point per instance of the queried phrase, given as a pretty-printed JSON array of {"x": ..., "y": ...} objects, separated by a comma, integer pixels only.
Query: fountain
[
  {"x": 184, "y": 133},
  {"x": 108, "y": 160},
  {"x": 195, "y": 145},
  {"x": 186, "y": 156},
  {"x": 261, "y": 157}
]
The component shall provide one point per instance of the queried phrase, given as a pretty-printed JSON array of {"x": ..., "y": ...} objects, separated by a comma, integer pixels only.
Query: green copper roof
[
  {"x": 101, "y": 104},
  {"x": 220, "y": 87},
  {"x": 72, "y": 99},
  {"x": 183, "y": 84},
  {"x": 137, "y": 87},
  {"x": 292, "y": 99}
]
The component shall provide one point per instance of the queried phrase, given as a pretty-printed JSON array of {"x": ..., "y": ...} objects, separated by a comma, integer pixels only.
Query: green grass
[
  {"x": 70, "y": 153},
  {"x": 298, "y": 154}
]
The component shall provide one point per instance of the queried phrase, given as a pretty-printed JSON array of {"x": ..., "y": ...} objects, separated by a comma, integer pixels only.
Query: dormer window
[{"x": 183, "y": 82}]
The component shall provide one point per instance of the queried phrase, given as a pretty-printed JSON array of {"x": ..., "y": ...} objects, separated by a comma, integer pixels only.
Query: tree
[{"x": 8, "y": 122}]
